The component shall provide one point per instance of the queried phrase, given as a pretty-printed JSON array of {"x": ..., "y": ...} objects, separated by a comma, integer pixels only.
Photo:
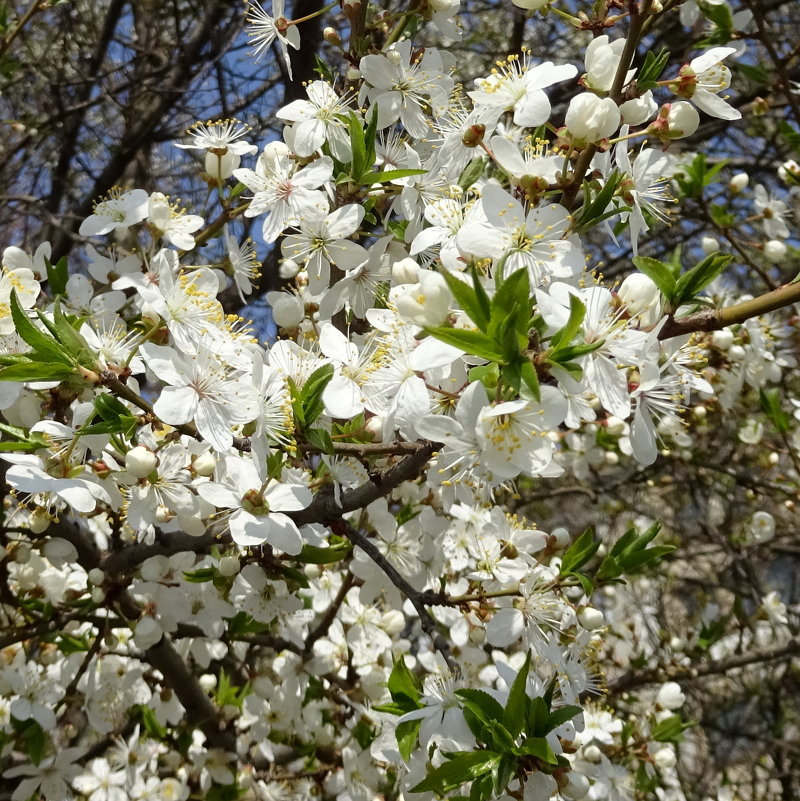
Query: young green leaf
[
  {"x": 465, "y": 766},
  {"x": 472, "y": 342},
  {"x": 44, "y": 346},
  {"x": 659, "y": 273},
  {"x": 580, "y": 552},
  {"x": 514, "y": 713},
  {"x": 468, "y": 299}
]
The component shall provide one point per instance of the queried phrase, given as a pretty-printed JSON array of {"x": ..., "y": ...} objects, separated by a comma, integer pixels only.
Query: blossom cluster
[{"x": 285, "y": 568}]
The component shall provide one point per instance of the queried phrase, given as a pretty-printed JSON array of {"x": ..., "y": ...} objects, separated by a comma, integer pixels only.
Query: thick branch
[
  {"x": 715, "y": 319},
  {"x": 638, "y": 678}
]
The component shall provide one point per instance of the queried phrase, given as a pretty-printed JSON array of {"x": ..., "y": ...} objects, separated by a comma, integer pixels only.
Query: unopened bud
[
  {"x": 229, "y": 565},
  {"x": 140, "y": 461},
  {"x": 204, "y": 464},
  {"x": 739, "y": 182},
  {"x": 331, "y": 36},
  {"x": 473, "y": 136},
  {"x": 96, "y": 576},
  {"x": 591, "y": 618},
  {"x": 775, "y": 250}
]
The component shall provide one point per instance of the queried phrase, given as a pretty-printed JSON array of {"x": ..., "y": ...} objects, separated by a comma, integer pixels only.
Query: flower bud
[
  {"x": 208, "y": 681},
  {"x": 530, "y": 5},
  {"x": 405, "y": 271},
  {"x": 775, "y": 251},
  {"x": 664, "y": 758},
  {"x": 353, "y": 73},
  {"x": 96, "y": 576},
  {"x": 739, "y": 182},
  {"x": 722, "y": 339},
  {"x": 670, "y": 696},
  {"x": 273, "y": 151},
  {"x": 683, "y": 119},
  {"x": 22, "y": 553},
  {"x": 592, "y": 754},
  {"x": 577, "y": 786},
  {"x": 638, "y": 110},
  {"x": 288, "y": 269},
  {"x": 204, "y": 464},
  {"x": 561, "y": 537},
  {"x": 709, "y": 245},
  {"x": 221, "y": 166},
  {"x": 737, "y": 353},
  {"x": 287, "y": 309},
  {"x": 473, "y": 136},
  {"x": 762, "y": 527},
  {"x": 59, "y": 551},
  {"x": 426, "y": 303},
  {"x": 591, "y": 118},
  {"x": 751, "y": 431},
  {"x": 641, "y": 297},
  {"x": 229, "y": 565},
  {"x": 331, "y": 36},
  {"x": 39, "y": 521},
  {"x": 591, "y": 618},
  {"x": 148, "y": 633},
  {"x": 394, "y": 58},
  {"x": 140, "y": 461}
]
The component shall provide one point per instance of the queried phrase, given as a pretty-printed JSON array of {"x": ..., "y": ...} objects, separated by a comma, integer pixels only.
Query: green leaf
[
  {"x": 311, "y": 395},
  {"x": 472, "y": 342},
  {"x": 465, "y": 766},
  {"x": 320, "y": 438},
  {"x": 791, "y": 136},
  {"x": 476, "y": 307},
  {"x": 36, "y": 371},
  {"x": 512, "y": 294},
  {"x": 68, "y": 644},
  {"x": 595, "y": 207},
  {"x": 404, "y": 686},
  {"x": 25, "y": 440},
  {"x": 109, "y": 407},
  {"x": 407, "y": 734},
  {"x": 502, "y": 774},
  {"x": 699, "y": 277},
  {"x": 670, "y": 730},
  {"x": 659, "y": 273},
  {"x": 652, "y": 68},
  {"x": 200, "y": 576},
  {"x": 537, "y": 717},
  {"x": 122, "y": 425},
  {"x": 357, "y": 145},
  {"x": 514, "y": 713},
  {"x": 561, "y": 715},
  {"x": 771, "y": 406},
  {"x": 530, "y": 379},
  {"x": 483, "y": 706},
  {"x": 311, "y": 555},
  {"x": 150, "y": 723},
  {"x": 577, "y": 313},
  {"x": 33, "y": 740},
  {"x": 77, "y": 347},
  {"x": 471, "y": 173},
  {"x": 718, "y": 13},
  {"x": 580, "y": 552},
  {"x": 540, "y": 748},
  {"x": 388, "y": 175},
  {"x": 43, "y": 345},
  {"x": 57, "y": 275}
]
